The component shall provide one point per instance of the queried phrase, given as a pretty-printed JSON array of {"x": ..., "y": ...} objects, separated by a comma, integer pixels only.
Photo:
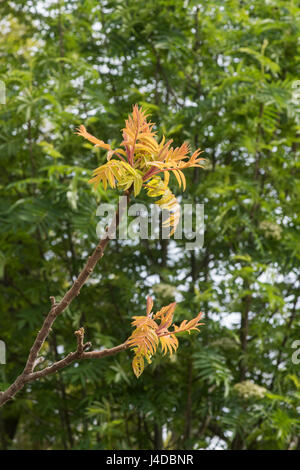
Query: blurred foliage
[{"x": 223, "y": 76}]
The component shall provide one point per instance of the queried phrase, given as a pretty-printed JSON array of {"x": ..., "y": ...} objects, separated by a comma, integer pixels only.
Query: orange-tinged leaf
[
  {"x": 143, "y": 321},
  {"x": 143, "y": 340},
  {"x": 164, "y": 312},
  {"x": 169, "y": 343},
  {"x": 141, "y": 159},
  {"x": 149, "y": 305},
  {"x": 155, "y": 188},
  {"x": 175, "y": 172},
  {"x": 166, "y": 178},
  {"x": 183, "y": 179},
  {"x": 189, "y": 326},
  {"x": 147, "y": 334},
  {"x": 138, "y": 365},
  {"x": 99, "y": 143}
]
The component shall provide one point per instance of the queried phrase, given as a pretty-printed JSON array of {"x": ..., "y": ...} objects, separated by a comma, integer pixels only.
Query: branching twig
[{"x": 28, "y": 374}]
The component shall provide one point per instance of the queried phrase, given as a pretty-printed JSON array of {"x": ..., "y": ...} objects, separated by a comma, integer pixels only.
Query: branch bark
[{"x": 28, "y": 374}]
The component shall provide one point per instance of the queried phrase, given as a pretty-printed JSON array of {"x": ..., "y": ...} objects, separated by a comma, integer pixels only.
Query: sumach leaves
[
  {"x": 148, "y": 333},
  {"x": 141, "y": 159}
]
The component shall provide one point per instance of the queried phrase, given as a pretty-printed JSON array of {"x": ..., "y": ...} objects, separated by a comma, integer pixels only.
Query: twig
[{"x": 28, "y": 374}]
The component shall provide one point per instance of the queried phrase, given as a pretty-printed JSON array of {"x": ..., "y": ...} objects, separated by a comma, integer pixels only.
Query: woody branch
[{"x": 28, "y": 374}]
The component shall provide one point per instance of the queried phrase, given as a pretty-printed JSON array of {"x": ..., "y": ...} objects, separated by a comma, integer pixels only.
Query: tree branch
[{"x": 28, "y": 374}]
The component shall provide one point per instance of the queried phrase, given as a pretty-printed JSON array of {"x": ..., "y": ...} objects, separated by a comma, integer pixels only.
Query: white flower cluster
[
  {"x": 164, "y": 290},
  {"x": 248, "y": 389},
  {"x": 271, "y": 229}
]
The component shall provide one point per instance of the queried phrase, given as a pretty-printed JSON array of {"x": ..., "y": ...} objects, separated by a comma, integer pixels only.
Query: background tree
[{"x": 221, "y": 75}]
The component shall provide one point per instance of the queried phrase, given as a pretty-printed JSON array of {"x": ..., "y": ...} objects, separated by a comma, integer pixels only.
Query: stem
[{"x": 28, "y": 374}]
